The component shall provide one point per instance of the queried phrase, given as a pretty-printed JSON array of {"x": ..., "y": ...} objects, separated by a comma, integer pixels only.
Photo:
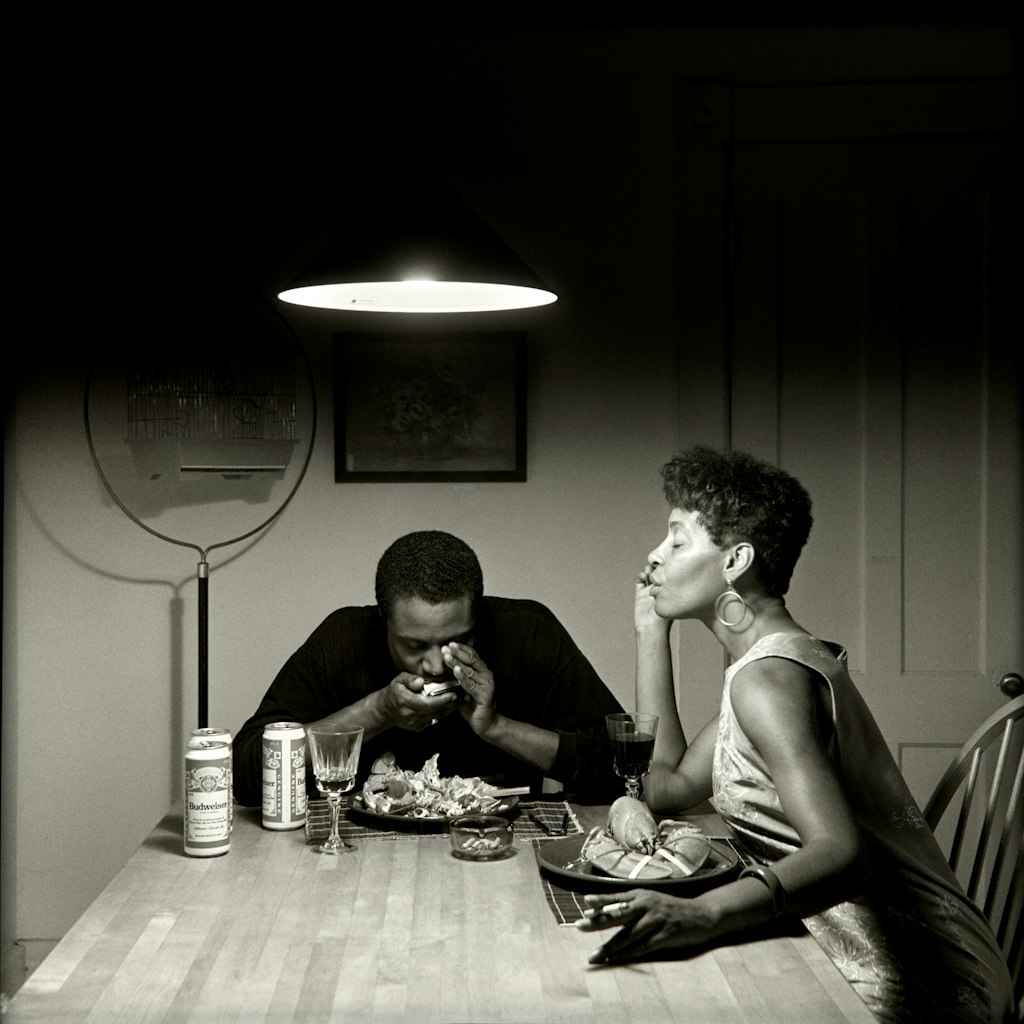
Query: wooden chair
[{"x": 986, "y": 848}]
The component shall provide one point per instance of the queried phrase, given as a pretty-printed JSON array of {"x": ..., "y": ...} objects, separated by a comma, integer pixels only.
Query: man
[{"x": 526, "y": 703}]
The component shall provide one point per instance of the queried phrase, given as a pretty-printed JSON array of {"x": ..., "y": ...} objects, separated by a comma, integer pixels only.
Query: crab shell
[
  {"x": 684, "y": 845},
  {"x": 632, "y": 825},
  {"x": 610, "y": 858},
  {"x": 681, "y": 850}
]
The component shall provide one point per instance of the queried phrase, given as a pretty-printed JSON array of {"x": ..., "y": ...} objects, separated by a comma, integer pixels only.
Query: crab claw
[{"x": 633, "y": 826}]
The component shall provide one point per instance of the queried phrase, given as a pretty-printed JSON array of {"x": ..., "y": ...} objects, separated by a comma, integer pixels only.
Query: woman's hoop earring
[{"x": 730, "y": 595}]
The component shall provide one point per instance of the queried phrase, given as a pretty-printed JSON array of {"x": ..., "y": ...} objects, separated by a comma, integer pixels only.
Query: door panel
[{"x": 872, "y": 355}]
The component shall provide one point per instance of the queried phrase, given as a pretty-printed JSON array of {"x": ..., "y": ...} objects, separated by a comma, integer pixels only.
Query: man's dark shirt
[{"x": 540, "y": 677}]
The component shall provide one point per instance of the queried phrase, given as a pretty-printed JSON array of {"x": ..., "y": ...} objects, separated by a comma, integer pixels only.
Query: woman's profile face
[{"x": 688, "y": 573}]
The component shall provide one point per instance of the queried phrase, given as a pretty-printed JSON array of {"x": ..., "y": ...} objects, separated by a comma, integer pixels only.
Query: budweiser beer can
[
  {"x": 213, "y": 734},
  {"x": 284, "y": 775},
  {"x": 207, "y": 799}
]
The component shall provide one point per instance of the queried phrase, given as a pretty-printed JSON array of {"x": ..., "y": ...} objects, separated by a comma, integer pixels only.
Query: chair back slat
[
  {"x": 986, "y": 845},
  {"x": 1009, "y": 844},
  {"x": 981, "y": 866},
  {"x": 1011, "y": 931},
  {"x": 965, "y": 810}
]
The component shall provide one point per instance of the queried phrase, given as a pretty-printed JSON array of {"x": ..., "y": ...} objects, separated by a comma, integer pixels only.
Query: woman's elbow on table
[{"x": 669, "y": 791}]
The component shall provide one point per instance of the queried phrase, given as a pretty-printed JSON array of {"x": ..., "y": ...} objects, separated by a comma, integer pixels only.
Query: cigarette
[{"x": 609, "y": 910}]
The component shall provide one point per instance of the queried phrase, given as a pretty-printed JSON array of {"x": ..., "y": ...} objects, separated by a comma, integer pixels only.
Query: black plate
[
  {"x": 560, "y": 860},
  {"x": 360, "y": 813}
]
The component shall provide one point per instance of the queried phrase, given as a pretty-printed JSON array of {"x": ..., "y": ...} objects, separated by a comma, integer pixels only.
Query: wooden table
[{"x": 398, "y": 931}]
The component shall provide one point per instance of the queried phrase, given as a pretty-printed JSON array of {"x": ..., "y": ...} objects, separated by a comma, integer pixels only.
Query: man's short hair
[{"x": 431, "y": 565}]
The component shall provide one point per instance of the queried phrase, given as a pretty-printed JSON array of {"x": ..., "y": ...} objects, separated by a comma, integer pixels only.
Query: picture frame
[{"x": 421, "y": 405}]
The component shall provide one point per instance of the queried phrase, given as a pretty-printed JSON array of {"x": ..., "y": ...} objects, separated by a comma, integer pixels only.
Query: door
[{"x": 872, "y": 356}]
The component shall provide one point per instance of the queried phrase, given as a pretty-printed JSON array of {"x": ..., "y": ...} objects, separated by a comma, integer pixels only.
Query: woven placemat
[
  {"x": 529, "y": 823},
  {"x": 568, "y": 906}
]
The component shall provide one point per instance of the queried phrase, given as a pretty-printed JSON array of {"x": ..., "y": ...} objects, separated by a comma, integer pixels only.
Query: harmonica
[{"x": 437, "y": 688}]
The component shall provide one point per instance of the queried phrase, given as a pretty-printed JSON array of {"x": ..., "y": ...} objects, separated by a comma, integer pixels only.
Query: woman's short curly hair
[
  {"x": 431, "y": 565},
  {"x": 739, "y": 498}
]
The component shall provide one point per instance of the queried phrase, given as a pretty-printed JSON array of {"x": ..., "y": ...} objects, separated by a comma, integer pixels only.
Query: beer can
[
  {"x": 284, "y": 775},
  {"x": 207, "y": 831},
  {"x": 212, "y": 733}
]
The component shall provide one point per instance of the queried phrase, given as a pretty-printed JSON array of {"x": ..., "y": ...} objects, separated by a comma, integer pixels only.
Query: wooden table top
[{"x": 399, "y": 931}]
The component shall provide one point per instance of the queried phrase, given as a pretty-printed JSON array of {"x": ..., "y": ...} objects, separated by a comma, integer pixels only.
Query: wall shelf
[{"x": 228, "y": 412}]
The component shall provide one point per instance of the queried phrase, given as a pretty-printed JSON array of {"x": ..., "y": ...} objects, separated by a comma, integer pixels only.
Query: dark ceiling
[{"x": 151, "y": 166}]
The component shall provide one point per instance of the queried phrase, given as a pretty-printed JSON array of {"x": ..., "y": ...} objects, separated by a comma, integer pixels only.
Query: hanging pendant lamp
[{"x": 418, "y": 248}]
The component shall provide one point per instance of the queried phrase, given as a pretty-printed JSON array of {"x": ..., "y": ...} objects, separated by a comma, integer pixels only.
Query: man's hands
[
  {"x": 406, "y": 706},
  {"x": 475, "y": 678}
]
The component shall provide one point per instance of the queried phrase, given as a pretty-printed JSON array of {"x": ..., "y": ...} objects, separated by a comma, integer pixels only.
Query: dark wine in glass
[{"x": 632, "y": 739}]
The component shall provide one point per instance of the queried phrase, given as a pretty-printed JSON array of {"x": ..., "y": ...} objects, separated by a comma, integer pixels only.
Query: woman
[{"x": 795, "y": 765}]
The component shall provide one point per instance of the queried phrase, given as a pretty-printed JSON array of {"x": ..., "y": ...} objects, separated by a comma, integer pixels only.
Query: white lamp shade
[{"x": 417, "y": 248}]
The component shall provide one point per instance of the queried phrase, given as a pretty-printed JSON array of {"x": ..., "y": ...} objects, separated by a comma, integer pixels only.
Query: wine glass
[
  {"x": 335, "y": 755},
  {"x": 632, "y": 738}
]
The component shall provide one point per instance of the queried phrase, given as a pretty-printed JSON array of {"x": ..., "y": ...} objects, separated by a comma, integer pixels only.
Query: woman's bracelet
[{"x": 766, "y": 875}]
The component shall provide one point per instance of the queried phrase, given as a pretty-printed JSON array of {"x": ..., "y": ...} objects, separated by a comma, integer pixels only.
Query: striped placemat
[
  {"x": 568, "y": 906},
  {"x": 528, "y": 823}
]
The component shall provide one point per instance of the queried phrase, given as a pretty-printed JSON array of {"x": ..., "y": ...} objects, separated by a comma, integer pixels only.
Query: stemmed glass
[
  {"x": 335, "y": 755},
  {"x": 632, "y": 738}
]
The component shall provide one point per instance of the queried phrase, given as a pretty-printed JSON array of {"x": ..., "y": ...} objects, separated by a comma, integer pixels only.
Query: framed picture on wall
[{"x": 422, "y": 405}]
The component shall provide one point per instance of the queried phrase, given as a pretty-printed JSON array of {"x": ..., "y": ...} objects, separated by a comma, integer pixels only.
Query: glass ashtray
[{"x": 480, "y": 837}]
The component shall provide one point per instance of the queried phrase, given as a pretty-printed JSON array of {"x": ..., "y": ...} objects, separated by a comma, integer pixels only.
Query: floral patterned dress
[{"x": 911, "y": 944}]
